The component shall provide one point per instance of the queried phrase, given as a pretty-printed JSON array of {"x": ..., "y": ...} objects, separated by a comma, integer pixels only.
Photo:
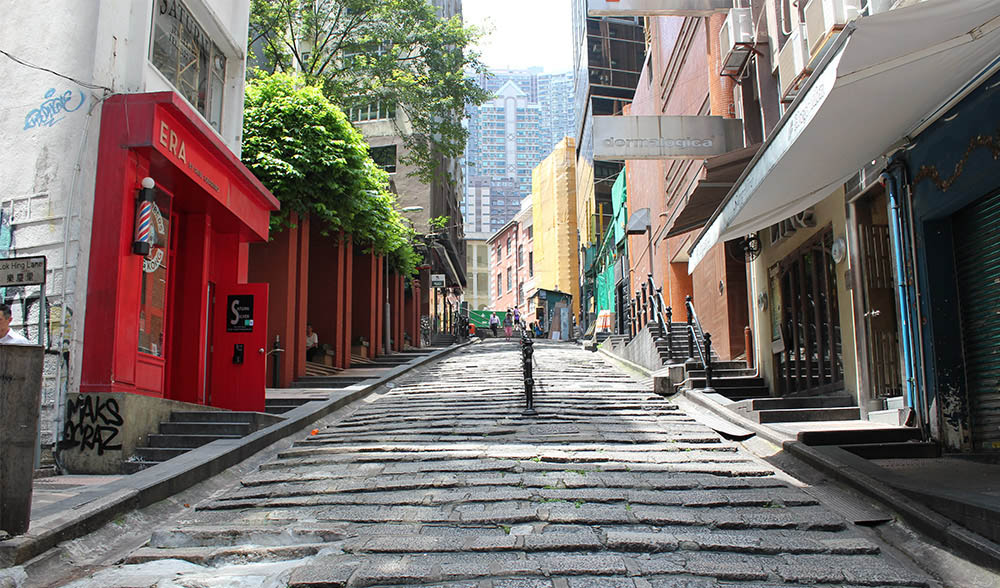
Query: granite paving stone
[{"x": 441, "y": 481}]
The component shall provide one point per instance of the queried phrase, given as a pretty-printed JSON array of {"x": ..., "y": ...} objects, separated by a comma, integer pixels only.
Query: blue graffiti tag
[{"x": 47, "y": 111}]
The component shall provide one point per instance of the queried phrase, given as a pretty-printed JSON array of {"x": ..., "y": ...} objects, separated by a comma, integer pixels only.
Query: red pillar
[
  {"x": 417, "y": 303},
  {"x": 378, "y": 304},
  {"x": 347, "y": 289},
  {"x": 277, "y": 263},
  {"x": 302, "y": 299},
  {"x": 397, "y": 311},
  {"x": 365, "y": 298}
]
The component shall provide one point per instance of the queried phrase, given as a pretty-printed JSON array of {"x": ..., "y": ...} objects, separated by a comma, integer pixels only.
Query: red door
[{"x": 238, "y": 347}]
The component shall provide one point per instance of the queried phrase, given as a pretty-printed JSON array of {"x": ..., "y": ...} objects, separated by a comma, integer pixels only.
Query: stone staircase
[
  {"x": 187, "y": 430},
  {"x": 442, "y": 339},
  {"x": 731, "y": 379}
]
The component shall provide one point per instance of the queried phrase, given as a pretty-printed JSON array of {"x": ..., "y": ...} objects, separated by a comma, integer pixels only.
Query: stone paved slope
[{"x": 443, "y": 482}]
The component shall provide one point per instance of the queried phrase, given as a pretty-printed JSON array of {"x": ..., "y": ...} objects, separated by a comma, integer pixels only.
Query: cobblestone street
[{"x": 442, "y": 481}]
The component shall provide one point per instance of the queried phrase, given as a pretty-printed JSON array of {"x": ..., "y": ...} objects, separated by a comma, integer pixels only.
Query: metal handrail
[{"x": 693, "y": 326}]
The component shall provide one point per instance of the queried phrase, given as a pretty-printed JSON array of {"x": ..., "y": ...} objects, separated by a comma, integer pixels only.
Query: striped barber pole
[{"x": 144, "y": 223}]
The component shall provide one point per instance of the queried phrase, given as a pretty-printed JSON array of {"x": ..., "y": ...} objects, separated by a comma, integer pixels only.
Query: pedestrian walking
[
  {"x": 508, "y": 325},
  {"x": 494, "y": 324}
]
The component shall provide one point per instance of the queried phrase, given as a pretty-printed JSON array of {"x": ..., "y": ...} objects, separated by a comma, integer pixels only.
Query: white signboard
[
  {"x": 657, "y": 7},
  {"x": 22, "y": 271},
  {"x": 665, "y": 137},
  {"x": 437, "y": 280}
]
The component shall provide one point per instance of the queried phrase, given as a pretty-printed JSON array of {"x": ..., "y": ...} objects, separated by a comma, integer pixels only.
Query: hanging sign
[
  {"x": 22, "y": 271},
  {"x": 657, "y": 7},
  {"x": 665, "y": 137},
  {"x": 239, "y": 313},
  {"x": 437, "y": 280}
]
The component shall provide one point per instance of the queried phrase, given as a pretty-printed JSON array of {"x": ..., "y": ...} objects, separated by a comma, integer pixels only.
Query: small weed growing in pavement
[
  {"x": 628, "y": 506},
  {"x": 506, "y": 529},
  {"x": 548, "y": 487},
  {"x": 536, "y": 459},
  {"x": 578, "y": 503},
  {"x": 774, "y": 505},
  {"x": 581, "y": 472}
]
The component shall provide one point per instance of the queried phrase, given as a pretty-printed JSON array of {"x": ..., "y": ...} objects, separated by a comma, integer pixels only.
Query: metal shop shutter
[{"x": 977, "y": 258}]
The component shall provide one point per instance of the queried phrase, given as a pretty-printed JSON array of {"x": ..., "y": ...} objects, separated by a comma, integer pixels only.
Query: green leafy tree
[
  {"x": 316, "y": 163},
  {"x": 397, "y": 53}
]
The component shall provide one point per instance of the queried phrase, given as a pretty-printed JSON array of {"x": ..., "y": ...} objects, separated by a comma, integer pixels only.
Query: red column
[
  {"x": 277, "y": 264},
  {"x": 417, "y": 303},
  {"x": 347, "y": 289},
  {"x": 365, "y": 299},
  {"x": 298, "y": 344},
  {"x": 397, "y": 312},
  {"x": 378, "y": 304}
]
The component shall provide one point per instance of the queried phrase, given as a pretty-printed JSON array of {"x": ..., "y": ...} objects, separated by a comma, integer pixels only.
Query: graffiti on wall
[
  {"x": 48, "y": 112},
  {"x": 92, "y": 424}
]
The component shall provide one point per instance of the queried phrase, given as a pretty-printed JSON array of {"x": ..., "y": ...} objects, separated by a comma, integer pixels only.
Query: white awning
[{"x": 884, "y": 78}]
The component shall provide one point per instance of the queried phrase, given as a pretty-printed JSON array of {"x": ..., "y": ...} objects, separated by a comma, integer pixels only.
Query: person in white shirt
[
  {"x": 9, "y": 336},
  {"x": 312, "y": 343}
]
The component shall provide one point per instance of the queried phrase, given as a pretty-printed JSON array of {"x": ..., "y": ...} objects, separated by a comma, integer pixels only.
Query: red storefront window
[{"x": 154, "y": 282}]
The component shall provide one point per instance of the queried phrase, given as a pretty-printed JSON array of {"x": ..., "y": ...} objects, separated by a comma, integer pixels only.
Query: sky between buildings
[{"x": 524, "y": 33}]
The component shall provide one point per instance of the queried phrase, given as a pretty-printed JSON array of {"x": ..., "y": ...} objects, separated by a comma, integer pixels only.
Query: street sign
[
  {"x": 437, "y": 280},
  {"x": 22, "y": 271}
]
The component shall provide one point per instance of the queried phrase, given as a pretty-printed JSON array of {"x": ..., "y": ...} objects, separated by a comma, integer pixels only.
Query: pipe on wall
[{"x": 905, "y": 307}]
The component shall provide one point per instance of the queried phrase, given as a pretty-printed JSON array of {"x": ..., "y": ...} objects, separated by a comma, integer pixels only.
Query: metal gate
[
  {"x": 810, "y": 361},
  {"x": 977, "y": 259}
]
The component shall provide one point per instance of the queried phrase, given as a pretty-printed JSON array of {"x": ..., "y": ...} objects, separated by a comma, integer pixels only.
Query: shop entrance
[
  {"x": 809, "y": 359},
  {"x": 876, "y": 297}
]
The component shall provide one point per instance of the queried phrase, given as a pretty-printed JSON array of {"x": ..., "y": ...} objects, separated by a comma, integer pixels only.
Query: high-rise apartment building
[{"x": 508, "y": 136}]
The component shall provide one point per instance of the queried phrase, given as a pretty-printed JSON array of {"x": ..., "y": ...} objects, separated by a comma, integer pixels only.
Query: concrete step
[
  {"x": 210, "y": 416},
  {"x": 188, "y": 441},
  {"x": 718, "y": 374},
  {"x": 286, "y": 401},
  {"x": 803, "y": 402},
  {"x": 277, "y": 409},
  {"x": 899, "y": 450},
  {"x": 718, "y": 383},
  {"x": 132, "y": 467},
  {"x": 796, "y": 415},
  {"x": 220, "y": 428},
  {"x": 159, "y": 453},
  {"x": 859, "y": 436}
]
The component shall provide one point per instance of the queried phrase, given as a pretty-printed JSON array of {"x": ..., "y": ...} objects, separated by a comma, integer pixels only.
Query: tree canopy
[
  {"x": 397, "y": 53},
  {"x": 303, "y": 148}
]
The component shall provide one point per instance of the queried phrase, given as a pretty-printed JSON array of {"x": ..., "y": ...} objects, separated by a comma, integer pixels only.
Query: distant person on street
[
  {"x": 508, "y": 325},
  {"x": 494, "y": 324},
  {"x": 312, "y": 343},
  {"x": 9, "y": 336}
]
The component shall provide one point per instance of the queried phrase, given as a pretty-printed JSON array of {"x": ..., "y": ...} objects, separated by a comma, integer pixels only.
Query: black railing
[{"x": 704, "y": 352}]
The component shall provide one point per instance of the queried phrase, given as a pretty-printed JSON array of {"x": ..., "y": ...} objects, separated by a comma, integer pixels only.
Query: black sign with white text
[{"x": 239, "y": 313}]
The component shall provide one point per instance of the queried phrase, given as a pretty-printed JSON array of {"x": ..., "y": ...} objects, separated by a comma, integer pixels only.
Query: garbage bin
[{"x": 20, "y": 396}]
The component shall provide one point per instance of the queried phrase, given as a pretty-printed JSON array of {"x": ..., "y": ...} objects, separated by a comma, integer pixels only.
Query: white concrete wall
[{"x": 49, "y": 164}]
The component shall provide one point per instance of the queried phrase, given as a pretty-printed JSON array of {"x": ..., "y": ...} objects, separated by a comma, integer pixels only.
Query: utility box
[{"x": 20, "y": 397}]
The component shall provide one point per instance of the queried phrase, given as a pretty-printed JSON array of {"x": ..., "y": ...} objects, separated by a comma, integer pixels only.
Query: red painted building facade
[{"x": 179, "y": 321}]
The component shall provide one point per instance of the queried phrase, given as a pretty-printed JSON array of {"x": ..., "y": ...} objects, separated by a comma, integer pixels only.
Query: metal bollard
[
  {"x": 690, "y": 331},
  {"x": 708, "y": 364},
  {"x": 527, "y": 351},
  {"x": 276, "y": 371}
]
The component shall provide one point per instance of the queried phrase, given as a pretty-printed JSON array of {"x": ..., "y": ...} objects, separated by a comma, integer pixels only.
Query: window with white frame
[{"x": 182, "y": 51}]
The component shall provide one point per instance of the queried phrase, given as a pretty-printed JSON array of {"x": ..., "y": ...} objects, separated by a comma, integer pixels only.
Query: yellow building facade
[{"x": 553, "y": 192}]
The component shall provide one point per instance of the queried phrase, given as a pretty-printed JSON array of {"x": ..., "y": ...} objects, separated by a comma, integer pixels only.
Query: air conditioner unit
[
  {"x": 736, "y": 40},
  {"x": 737, "y": 101},
  {"x": 792, "y": 61},
  {"x": 826, "y": 18}
]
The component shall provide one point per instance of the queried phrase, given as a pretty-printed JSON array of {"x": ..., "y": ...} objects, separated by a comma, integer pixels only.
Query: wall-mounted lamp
[{"x": 144, "y": 233}]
